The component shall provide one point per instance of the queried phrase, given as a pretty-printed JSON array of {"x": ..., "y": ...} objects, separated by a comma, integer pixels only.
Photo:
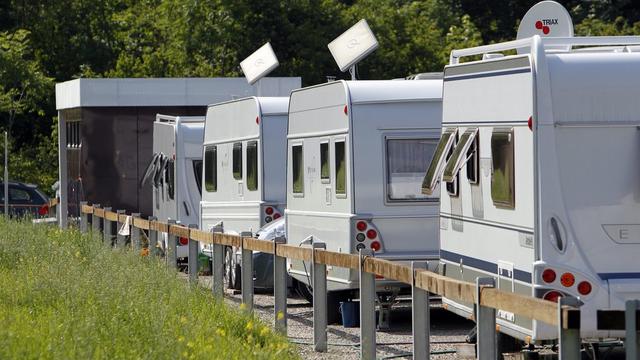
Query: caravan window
[
  {"x": 237, "y": 161},
  {"x": 210, "y": 168},
  {"x": 437, "y": 162},
  {"x": 407, "y": 160},
  {"x": 252, "y": 165},
  {"x": 459, "y": 155},
  {"x": 197, "y": 173},
  {"x": 297, "y": 163},
  {"x": 341, "y": 168},
  {"x": 473, "y": 161},
  {"x": 169, "y": 178},
  {"x": 325, "y": 168},
  {"x": 503, "y": 174}
]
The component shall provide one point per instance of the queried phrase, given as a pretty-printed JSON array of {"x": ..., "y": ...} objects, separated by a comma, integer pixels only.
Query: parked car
[{"x": 25, "y": 200}]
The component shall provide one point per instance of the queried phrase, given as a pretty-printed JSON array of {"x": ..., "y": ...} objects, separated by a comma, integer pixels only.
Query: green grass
[{"x": 66, "y": 296}]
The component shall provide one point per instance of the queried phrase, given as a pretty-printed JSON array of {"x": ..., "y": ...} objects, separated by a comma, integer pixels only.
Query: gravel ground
[{"x": 447, "y": 329}]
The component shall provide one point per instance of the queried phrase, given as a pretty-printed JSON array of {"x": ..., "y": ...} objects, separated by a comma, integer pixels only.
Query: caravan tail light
[
  {"x": 276, "y": 216},
  {"x": 567, "y": 279},
  {"x": 584, "y": 288},
  {"x": 372, "y": 234},
  {"x": 43, "y": 210},
  {"x": 367, "y": 235},
  {"x": 257, "y": 120},
  {"x": 552, "y": 296},
  {"x": 375, "y": 245},
  {"x": 549, "y": 276},
  {"x": 270, "y": 213},
  {"x": 183, "y": 241},
  {"x": 361, "y": 226},
  {"x": 346, "y": 110},
  {"x": 268, "y": 210}
]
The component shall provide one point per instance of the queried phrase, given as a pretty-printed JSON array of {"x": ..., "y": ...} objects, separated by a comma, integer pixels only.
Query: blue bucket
[{"x": 350, "y": 314}]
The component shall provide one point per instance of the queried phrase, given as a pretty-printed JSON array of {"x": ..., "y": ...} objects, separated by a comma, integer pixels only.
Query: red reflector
[
  {"x": 346, "y": 110},
  {"x": 375, "y": 246},
  {"x": 361, "y": 226},
  {"x": 372, "y": 234},
  {"x": 268, "y": 210},
  {"x": 183, "y": 241},
  {"x": 530, "y": 123},
  {"x": 276, "y": 216},
  {"x": 258, "y": 120},
  {"x": 584, "y": 288},
  {"x": 379, "y": 277},
  {"x": 549, "y": 276},
  {"x": 43, "y": 210},
  {"x": 567, "y": 279},
  {"x": 552, "y": 296}
]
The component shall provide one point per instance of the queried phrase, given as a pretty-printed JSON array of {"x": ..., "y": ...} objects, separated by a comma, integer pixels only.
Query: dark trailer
[{"x": 106, "y": 127}]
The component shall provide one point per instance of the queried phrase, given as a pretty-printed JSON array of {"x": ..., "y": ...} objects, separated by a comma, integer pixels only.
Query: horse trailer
[{"x": 540, "y": 180}]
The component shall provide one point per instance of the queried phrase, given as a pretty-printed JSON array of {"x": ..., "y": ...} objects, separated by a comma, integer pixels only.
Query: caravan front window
[
  {"x": 341, "y": 168},
  {"x": 407, "y": 160},
  {"x": 297, "y": 166},
  {"x": 210, "y": 168},
  {"x": 437, "y": 162},
  {"x": 252, "y": 165},
  {"x": 503, "y": 174},
  {"x": 237, "y": 161}
]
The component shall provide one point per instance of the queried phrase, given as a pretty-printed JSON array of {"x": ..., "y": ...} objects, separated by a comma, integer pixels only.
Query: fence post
[
  {"x": 568, "y": 329},
  {"x": 135, "y": 234},
  {"x": 95, "y": 222},
  {"x": 367, "y": 309},
  {"x": 280, "y": 287},
  {"x": 632, "y": 338},
  {"x": 106, "y": 228},
  {"x": 84, "y": 219},
  {"x": 193, "y": 257},
  {"x": 247, "y": 277},
  {"x": 172, "y": 247},
  {"x": 121, "y": 240},
  {"x": 153, "y": 237},
  {"x": 486, "y": 344},
  {"x": 217, "y": 265},
  {"x": 420, "y": 315},
  {"x": 319, "y": 284}
]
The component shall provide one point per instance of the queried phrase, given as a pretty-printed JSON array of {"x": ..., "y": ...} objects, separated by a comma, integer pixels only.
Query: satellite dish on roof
[
  {"x": 547, "y": 19},
  {"x": 353, "y": 45},
  {"x": 259, "y": 64}
]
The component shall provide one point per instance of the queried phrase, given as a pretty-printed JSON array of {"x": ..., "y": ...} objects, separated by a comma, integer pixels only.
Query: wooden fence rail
[{"x": 486, "y": 298}]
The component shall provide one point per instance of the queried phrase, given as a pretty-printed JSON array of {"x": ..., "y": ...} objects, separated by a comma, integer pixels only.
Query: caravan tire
[{"x": 232, "y": 270}]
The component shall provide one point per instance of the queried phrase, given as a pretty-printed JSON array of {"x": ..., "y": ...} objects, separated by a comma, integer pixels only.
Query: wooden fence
[{"x": 487, "y": 299}]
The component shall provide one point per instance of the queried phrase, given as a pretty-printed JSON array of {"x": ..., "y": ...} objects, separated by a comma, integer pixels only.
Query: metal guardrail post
[
  {"x": 95, "y": 223},
  {"x": 632, "y": 338},
  {"x": 121, "y": 240},
  {"x": 487, "y": 344},
  {"x": 280, "y": 287},
  {"x": 193, "y": 257},
  {"x": 420, "y": 312},
  {"x": 172, "y": 247},
  {"x": 84, "y": 219},
  {"x": 153, "y": 238},
  {"x": 319, "y": 284},
  {"x": 217, "y": 266},
  {"x": 367, "y": 309},
  {"x": 247, "y": 278},
  {"x": 569, "y": 330},
  {"x": 136, "y": 244},
  {"x": 107, "y": 229}
]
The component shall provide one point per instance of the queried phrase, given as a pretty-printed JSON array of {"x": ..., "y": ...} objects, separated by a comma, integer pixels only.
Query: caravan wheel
[{"x": 232, "y": 273}]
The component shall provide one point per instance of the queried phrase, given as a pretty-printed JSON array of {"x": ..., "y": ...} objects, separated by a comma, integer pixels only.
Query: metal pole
[
  {"x": 153, "y": 237},
  {"x": 135, "y": 234},
  {"x": 420, "y": 315},
  {"x": 6, "y": 176},
  {"x": 247, "y": 278},
  {"x": 95, "y": 223},
  {"x": 62, "y": 207},
  {"x": 280, "y": 287},
  {"x": 84, "y": 219},
  {"x": 568, "y": 330},
  {"x": 193, "y": 258},
  {"x": 367, "y": 309},
  {"x": 487, "y": 345},
  {"x": 172, "y": 247},
  {"x": 121, "y": 240},
  {"x": 106, "y": 231},
  {"x": 218, "y": 270},
  {"x": 632, "y": 340},
  {"x": 319, "y": 283}
]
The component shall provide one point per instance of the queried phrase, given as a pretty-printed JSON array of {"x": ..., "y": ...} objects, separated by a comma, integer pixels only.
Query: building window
[
  {"x": 252, "y": 165},
  {"x": 503, "y": 174},
  {"x": 325, "y": 167},
  {"x": 436, "y": 167},
  {"x": 211, "y": 168},
  {"x": 341, "y": 167},
  {"x": 237, "y": 161},
  {"x": 407, "y": 160},
  {"x": 297, "y": 164}
]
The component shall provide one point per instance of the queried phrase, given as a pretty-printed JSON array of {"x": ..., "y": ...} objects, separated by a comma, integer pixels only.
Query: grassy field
[{"x": 65, "y": 296}]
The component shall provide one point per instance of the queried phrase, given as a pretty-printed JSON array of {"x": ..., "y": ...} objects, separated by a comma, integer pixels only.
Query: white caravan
[
  {"x": 175, "y": 172},
  {"x": 244, "y": 169},
  {"x": 357, "y": 152},
  {"x": 540, "y": 175}
]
